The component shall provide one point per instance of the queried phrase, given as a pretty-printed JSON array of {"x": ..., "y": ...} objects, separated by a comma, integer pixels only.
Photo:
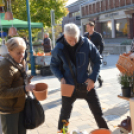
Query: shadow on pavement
[
  {"x": 53, "y": 91},
  {"x": 52, "y": 104},
  {"x": 119, "y": 109}
]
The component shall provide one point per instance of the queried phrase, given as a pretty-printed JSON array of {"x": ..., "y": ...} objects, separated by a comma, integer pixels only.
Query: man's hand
[
  {"x": 90, "y": 84},
  {"x": 63, "y": 81}
]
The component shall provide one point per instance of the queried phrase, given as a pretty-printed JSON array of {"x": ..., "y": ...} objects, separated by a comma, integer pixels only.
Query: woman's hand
[
  {"x": 29, "y": 87},
  {"x": 29, "y": 79}
]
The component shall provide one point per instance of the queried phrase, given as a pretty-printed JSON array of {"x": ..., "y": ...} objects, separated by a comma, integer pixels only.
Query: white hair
[
  {"x": 46, "y": 34},
  {"x": 15, "y": 42},
  {"x": 72, "y": 30}
]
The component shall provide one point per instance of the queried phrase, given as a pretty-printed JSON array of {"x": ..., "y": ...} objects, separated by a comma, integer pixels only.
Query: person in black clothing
[
  {"x": 96, "y": 39},
  {"x": 47, "y": 43}
]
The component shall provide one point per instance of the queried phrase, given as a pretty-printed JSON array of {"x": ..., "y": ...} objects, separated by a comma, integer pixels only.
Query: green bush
[
  {"x": 125, "y": 80},
  {"x": 37, "y": 67}
]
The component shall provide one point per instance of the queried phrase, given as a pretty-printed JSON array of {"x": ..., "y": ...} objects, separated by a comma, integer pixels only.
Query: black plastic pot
[{"x": 126, "y": 91}]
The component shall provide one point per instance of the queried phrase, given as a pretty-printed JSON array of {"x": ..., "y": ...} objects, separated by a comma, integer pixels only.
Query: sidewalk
[{"x": 114, "y": 109}]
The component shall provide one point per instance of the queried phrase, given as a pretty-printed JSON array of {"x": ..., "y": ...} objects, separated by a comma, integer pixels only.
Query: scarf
[{"x": 18, "y": 66}]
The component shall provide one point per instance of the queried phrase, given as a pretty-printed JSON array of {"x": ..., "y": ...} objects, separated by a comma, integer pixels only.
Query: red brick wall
[
  {"x": 130, "y": 28},
  {"x": 82, "y": 11},
  {"x": 86, "y": 10},
  {"x": 107, "y": 5},
  {"x": 117, "y": 3},
  {"x": 98, "y": 6},
  {"x": 128, "y": 2},
  {"x": 111, "y": 4},
  {"x": 90, "y": 9},
  {"x": 122, "y": 2},
  {"x": 133, "y": 23},
  {"x": 102, "y": 6},
  {"x": 94, "y": 10}
]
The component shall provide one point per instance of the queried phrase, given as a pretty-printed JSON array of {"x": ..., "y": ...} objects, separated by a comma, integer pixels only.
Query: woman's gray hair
[
  {"x": 72, "y": 30},
  {"x": 15, "y": 42}
]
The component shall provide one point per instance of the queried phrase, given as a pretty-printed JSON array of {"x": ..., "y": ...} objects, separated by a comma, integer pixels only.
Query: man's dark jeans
[{"x": 94, "y": 105}]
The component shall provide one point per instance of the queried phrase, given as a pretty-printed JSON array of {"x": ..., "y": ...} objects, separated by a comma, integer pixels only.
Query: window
[
  {"x": 107, "y": 29},
  {"x": 76, "y": 14},
  {"x": 121, "y": 27},
  {"x": 70, "y": 15}
]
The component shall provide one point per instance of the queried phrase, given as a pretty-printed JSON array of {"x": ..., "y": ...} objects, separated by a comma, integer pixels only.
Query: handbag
[
  {"x": 33, "y": 113},
  {"x": 81, "y": 88}
]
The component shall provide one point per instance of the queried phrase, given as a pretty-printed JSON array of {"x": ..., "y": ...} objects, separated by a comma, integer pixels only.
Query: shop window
[
  {"x": 106, "y": 29},
  {"x": 84, "y": 28},
  {"x": 121, "y": 28}
]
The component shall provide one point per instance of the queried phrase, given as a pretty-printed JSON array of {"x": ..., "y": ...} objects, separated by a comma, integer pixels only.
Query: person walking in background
[
  {"x": 96, "y": 39},
  {"x": 79, "y": 50},
  {"x": 47, "y": 43},
  {"x": 13, "y": 88}
]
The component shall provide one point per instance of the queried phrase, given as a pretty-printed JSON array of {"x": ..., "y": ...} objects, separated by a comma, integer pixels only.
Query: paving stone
[{"x": 81, "y": 116}]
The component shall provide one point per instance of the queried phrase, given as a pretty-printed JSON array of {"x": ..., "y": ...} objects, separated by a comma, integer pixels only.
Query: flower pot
[
  {"x": 8, "y": 16},
  {"x": 126, "y": 91},
  {"x": 12, "y": 31},
  {"x": 40, "y": 91},
  {"x": 67, "y": 90},
  {"x": 101, "y": 131}
]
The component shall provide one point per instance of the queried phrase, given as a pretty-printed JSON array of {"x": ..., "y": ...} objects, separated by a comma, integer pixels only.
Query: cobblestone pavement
[{"x": 114, "y": 109}]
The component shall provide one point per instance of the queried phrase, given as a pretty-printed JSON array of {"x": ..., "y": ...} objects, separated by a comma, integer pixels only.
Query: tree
[{"x": 40, "y": 10}]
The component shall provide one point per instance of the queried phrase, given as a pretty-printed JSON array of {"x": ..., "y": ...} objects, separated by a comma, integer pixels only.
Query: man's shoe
[
  {"x": 125, "y": 125},
  {"x": 100, "y": 82},
  {"x": 59, "y": 131},
  {"x": 65, "y": 126}
]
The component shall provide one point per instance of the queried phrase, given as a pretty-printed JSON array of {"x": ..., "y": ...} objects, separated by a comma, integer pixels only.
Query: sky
[{"x": 70, "y": 1}]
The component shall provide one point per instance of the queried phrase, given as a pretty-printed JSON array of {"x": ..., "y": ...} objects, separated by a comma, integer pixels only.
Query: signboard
[{"x": 111, "y": 14}]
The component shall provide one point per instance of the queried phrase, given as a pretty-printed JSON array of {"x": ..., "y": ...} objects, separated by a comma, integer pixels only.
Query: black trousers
[{"x": 94, "y": 105}]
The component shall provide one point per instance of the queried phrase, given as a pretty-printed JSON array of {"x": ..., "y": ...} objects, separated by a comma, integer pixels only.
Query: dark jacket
[
  {"x": 47, "y": 44},
  {"x": 85, "y": 51},
  {"x": 97, "y": 40},
  {"x": 12, "y": 95}
]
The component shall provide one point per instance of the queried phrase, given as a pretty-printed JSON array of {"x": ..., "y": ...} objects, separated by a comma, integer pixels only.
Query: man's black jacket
[{"x": 97, "y": 40}]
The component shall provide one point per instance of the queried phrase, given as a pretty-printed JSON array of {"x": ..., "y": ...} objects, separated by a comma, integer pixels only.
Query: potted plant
[{"x": 126, "y": 84}]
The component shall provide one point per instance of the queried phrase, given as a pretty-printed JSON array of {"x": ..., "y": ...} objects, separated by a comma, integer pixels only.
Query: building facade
[
  {"x": 114, "y": 18},
  {"x": 74, "y": 13}
]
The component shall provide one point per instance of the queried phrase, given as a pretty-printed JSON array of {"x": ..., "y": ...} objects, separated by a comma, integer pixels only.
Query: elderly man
[
  {"x": 47, "y": 43},
  {"x": 74, "y": 51}
]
